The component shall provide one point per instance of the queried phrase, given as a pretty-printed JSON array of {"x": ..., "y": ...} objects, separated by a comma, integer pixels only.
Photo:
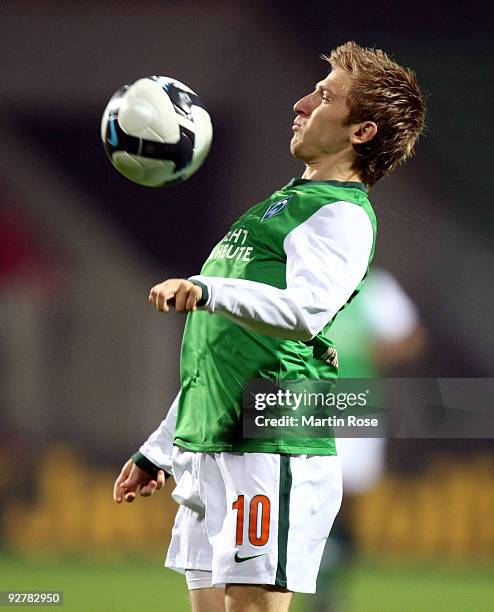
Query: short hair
[{"x": 388, "y": 94}]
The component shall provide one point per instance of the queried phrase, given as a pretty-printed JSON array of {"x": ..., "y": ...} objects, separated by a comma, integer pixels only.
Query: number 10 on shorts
[{"x": 259, "y": 514}]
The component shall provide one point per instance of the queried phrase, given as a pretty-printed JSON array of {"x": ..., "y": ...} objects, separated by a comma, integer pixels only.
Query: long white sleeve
[
  {"x": 327, "y": 257},
  {"x": 159, "y": 446}
]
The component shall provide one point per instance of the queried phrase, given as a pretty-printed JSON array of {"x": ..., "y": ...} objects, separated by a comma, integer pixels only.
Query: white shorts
[{"x": 254, "y": 518}]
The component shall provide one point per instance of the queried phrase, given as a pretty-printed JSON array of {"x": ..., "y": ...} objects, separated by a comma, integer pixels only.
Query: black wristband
[
  {"x": 148, "y": 466},
  {"x": 205, "y": 292}
]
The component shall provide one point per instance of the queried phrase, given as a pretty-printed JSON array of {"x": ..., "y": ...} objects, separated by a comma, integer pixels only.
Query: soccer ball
[{"x": 156, "y": 132}]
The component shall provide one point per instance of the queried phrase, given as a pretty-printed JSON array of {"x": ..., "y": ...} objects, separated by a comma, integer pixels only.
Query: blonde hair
[{"x": 388, "y": 94}]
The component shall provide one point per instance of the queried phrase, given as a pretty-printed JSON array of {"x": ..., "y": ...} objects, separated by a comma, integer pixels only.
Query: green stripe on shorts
[{"x": 283, "y": 518}]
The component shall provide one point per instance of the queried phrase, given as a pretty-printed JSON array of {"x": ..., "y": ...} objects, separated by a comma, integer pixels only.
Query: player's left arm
[
  {"x": 148, "y": 468},
  {"x": 326, "y": 258}
]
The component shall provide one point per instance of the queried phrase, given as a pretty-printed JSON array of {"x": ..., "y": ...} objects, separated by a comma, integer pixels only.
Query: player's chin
[{"x": 296, "y": 147}]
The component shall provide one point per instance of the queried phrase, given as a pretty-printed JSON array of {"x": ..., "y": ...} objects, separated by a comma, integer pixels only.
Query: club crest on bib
[{"x": 276, "y": 208}]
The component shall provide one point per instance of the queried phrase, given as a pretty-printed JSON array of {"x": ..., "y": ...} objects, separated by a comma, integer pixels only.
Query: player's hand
[
  {"x": 179, "y": 292},
  {"x": 132, "y": 479}
]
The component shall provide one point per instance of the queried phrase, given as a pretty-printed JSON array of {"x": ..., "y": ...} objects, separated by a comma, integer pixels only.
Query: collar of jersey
[{"x": 350, "y": 184}]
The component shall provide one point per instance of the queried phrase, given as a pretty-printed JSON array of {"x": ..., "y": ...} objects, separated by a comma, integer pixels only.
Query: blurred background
[{"x": 88, "y": 369}]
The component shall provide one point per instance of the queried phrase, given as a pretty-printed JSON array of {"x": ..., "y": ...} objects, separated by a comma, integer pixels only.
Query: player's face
[{"x": 319, "y": 129}]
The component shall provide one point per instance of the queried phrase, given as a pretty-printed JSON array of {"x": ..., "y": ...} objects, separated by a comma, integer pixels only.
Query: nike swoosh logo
[
  {"x": 113, "y": 140},
  {"x": 241, "y": 559}
]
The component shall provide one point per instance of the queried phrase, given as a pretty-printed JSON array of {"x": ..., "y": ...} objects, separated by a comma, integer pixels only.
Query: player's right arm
[
  {"x": 146, "y": 471},
  {"x": 327, "y": 256}
]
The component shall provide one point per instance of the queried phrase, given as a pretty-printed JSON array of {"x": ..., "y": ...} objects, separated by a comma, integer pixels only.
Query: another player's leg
[{"x": 256, "y": 598}]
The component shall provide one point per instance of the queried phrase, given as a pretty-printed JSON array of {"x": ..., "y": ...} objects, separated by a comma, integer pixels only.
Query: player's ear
[{"x": 363, "y": 132}]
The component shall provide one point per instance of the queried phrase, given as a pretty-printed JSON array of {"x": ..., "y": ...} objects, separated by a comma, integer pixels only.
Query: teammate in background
[
  {"x": 255, "y": 513},
  {"x": 377, "y": 331}
]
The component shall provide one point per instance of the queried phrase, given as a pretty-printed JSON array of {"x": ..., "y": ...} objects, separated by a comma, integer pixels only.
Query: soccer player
[
  {"x": 255, "y": 512},
  {"x": 377, "y": 332}
]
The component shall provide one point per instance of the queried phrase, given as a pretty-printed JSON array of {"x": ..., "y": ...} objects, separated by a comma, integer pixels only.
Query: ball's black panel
[
  {"x": 117, "y": 140},
  {"x": 180, "y": 153}
]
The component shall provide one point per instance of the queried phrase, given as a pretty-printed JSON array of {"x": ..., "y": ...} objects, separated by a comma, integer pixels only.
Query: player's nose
[
  {"x": 303, "y": 106},
  {"x": 299, "y": 106}
]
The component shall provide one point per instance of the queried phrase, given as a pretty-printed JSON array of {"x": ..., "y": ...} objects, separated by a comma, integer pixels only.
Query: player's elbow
[
  {"x": 310, "y": 321},
  {"x": 309, "y": 313},
  {"x": 304, "y": 333},
  {"x": 304, "y": 329}
]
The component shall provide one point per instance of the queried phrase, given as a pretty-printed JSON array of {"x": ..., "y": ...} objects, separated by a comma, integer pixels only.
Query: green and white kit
[
  {"x": 275, "y": 282},
  {"x": 258, "y": 511}
]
